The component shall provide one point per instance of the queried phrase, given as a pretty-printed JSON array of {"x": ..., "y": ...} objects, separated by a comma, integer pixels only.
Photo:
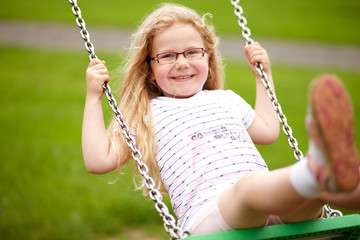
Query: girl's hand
[
  {"x": 265, "y": 127},
  {"x": 255, "y": 53},
  {"x": 96, "y": 75}
]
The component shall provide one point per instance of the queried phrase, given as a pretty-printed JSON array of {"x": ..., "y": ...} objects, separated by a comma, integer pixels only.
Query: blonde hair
[{"x": 137, "y": 88}]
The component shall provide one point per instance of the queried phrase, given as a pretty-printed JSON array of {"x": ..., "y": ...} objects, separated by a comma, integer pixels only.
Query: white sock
[
  {"x": 316, "y": 153},
  {"x": 318, "y": 156},
  {"x": 303, "y": 181}
]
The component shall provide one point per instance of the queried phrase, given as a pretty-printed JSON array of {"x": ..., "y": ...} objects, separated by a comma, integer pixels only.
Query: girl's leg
[
  {"x": 332, "y": 165},
  {"x": 255, "y": 196},
  {"x": 313, "y": 209}
]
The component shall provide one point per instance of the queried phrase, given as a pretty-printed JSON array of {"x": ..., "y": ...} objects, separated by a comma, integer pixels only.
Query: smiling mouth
[{"x": 183, "y": 77}]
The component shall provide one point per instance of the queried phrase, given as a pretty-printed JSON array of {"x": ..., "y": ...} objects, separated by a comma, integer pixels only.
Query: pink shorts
[{"x": 210, "y": 220}]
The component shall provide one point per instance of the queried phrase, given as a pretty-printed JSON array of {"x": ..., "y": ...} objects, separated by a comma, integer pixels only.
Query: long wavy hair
[{"x": 137, "y": 89}]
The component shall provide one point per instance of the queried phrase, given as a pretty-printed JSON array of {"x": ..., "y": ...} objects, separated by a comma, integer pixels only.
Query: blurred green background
[{"x": 46, "y": 192}]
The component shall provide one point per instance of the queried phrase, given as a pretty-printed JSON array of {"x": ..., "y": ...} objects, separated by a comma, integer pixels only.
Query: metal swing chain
[
  {"x": 285, "y": 127},
  {"x": 264, "y": 79},
  {"x": 169, "y": 221}
]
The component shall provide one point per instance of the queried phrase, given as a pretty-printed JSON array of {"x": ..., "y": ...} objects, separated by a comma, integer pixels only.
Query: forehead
[{"x": 177, "y": 37}]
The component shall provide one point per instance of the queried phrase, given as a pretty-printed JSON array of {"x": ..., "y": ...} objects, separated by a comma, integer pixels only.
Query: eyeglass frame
[{"x": 177, "y": 54}]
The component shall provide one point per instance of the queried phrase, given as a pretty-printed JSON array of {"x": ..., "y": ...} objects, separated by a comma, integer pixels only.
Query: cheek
[
  {"x": 156, "y": 72},
  {"x": 205, "y": 70},
  {"x": 159, "y": 73}
]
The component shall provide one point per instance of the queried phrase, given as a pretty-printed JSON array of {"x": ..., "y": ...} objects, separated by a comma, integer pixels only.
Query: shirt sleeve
[{"x": 246, "y": 111}]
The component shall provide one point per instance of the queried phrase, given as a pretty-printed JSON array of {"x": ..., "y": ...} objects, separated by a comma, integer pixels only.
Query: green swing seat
[{"x": 345, "y": 227}]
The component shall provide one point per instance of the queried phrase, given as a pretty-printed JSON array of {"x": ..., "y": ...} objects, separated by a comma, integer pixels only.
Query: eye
[
  {"x": 167, "y": 56},
  {"x": 196, "y": 52}
]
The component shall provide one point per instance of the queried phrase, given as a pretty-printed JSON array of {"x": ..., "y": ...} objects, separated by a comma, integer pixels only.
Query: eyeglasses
[{"x": 170, "y": 57}]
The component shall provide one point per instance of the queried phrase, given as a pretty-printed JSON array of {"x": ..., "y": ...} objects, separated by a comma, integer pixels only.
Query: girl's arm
[
  {"x": 99, "y": 155},
  {"x": 265, "y": 127}
]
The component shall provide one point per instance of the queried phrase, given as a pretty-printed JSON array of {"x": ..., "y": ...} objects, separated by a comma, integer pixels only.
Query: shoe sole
[{"x": 333, "y": 115}]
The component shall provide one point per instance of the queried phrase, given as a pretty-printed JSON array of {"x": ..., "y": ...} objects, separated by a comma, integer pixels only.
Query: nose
[{"x": 181, "y": 61}]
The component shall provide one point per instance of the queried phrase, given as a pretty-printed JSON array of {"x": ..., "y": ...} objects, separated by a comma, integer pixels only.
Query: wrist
[{"x": 93, "y": 98}]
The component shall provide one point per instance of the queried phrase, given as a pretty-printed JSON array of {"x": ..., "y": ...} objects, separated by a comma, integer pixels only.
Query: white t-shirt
[{"x": 202, "y": 147}]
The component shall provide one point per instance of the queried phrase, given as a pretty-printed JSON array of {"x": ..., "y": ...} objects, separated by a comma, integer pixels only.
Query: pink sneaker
[{"x": 331, "y": 128}]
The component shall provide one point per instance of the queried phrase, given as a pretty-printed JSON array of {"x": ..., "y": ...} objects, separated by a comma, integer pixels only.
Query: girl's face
[{"x": 184, "y": 77}]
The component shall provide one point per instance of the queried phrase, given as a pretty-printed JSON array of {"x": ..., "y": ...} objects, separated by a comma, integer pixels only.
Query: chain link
[
  {"x": 264, "y": 79},
  {"x": 331, "y": 213},
  {"x": 282, "y": 118},
  {"x": 84, "y": 33},
  {"x": 242, "y": 21},
  {"x": 169, "y": 221}
]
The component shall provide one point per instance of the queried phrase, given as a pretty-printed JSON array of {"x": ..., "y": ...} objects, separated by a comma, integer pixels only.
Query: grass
[
  {"x": 327, "y": 21},
  {"x": 46, "y": 193}
]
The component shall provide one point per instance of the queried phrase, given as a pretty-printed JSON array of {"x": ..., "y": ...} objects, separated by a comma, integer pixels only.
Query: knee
[{"x": 244, "y": 190}]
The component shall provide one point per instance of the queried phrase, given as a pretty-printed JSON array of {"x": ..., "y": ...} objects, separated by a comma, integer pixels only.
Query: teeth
[{"x": 183, "y": 77}]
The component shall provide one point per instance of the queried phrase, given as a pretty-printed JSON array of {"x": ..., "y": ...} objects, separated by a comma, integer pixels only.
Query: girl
[{"x": 198, "y": 140}]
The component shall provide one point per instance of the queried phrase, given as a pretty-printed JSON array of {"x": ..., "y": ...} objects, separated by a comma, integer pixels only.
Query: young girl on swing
[{"x": 198, "y": 140}]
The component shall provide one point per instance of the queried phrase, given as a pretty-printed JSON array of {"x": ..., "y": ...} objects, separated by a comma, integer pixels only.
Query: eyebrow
[{"x": 174, "y": 51}]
